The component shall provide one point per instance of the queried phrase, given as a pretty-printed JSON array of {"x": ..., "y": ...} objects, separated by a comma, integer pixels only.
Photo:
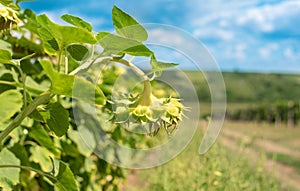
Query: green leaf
[
  {"x": 85, "y": 146},
  {"x": 58, "y": 120},
  {"x": 31, "y": 24},
  {"x": 73, "y": 86},
  {"x": 41, "y": 156},
  {"x": 19, "y": 1},
  {"x": 114, "y": 44},
  {"x": 10, "y": 4},
  {"x": 63, "y": 35},
  {"x": 20, "y": 152},
  {"x": 65, "y": 179},
  {"x": 78, "y": 52},
  {"x": 76, "y": 21},
  {"x": 8, "y": 176},
  {"x": 37, "y": 116},
  {"x": 50, "y": 44},
  {"x": 42, "y": 137},
  {"x": 34, "y": 87},
  {"x": 159, "y": 66},
  {"x": 5, "y": 46},
  {"x": 5, "y": 57},
  {"x": 11, "y": 102},
  {"x": 128, "y": 27}
]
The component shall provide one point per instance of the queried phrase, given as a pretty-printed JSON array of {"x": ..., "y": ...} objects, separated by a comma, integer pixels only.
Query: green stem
[
  {"x": 66, "y": 65},
  {"x": 20, "y": 85},
  {"x": 23, "y": 79},
  {"x": 146, "y": 95},
  {"x": 41, "y": 99},
  {"x": 59, "y": 60},
  {"x": 9, "y": 83},
  {"x": 88, "y": 64},
  {"x": 58, "y": 68},
  {"x": 145, "y": 99},
  {"x": 53, "y": 178}
]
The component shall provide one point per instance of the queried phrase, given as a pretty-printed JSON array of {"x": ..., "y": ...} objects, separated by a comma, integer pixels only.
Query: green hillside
[{"x": 251, "y": 87}]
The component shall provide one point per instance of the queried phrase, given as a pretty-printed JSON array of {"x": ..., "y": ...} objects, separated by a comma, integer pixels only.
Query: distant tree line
[{"x": 287, "y": 112}]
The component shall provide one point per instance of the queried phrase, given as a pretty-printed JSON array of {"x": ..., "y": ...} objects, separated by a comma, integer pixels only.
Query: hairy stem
[
  {"x": 41, "y": 99},
  {"x": 23, "y": 79},
  {"x": 59, "y": 60},
  {"x": 60, "y": 55},
  {"x": 145, "y": 98},
  {"x": 9, "y": 83}
]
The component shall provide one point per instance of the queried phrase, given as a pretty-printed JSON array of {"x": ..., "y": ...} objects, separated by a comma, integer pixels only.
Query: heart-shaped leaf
[
  {"x": 63, "y": 35},
  {"x": 5, "y": 57},
  {"x": 5, "y": 45},
  {"x": 65, "y": 179},
  {"x": 8, "y": 176},
  {"x": 78, "y": 52},
  {"x": 73, "y": 86},
  {"x": 126, "y": 26},
  {"x": 58, "y": 120},
  {"x": 160, "y": 66},
  {"x": 76, "y": 21},
  {"x": 114, "y": 44},
  {"x": 14, "y": 98}
]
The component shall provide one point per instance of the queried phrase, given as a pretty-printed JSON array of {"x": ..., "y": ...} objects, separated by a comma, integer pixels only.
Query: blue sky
[{"x": 247, "y": 35}]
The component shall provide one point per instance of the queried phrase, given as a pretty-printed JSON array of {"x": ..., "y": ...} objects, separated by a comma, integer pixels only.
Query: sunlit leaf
[
  {"x": 5, "y": 45},
  {"x": 127, "y": 26},
  {"x": 14, "y": 98},
  {"x": 77, "y": 21},
  {"x": 65, "y": 179},
  {"x": 58, "y": 120},
  {"x": 19, "y": 1},
  {"x": 63, "y": 35},
  {"x": 8, "y": 176},
  {"x": 78, "y": 52},
  {"x": 41, "y": 156},
  {"x": 31, "y": 23},
  {"x": 114, "y": 44},
  {"x": 10, "y": 4},
  {"x": 42, "y": 137},
  {"x": 159, "y": 66},
  {"x": 5, "y": 57},
  {"x": 73, "y": 86},
  {"x": 87, "y": 146}
]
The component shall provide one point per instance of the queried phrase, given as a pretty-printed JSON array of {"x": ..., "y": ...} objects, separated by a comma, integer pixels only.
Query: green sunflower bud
[{"x": 142, "y": 113}]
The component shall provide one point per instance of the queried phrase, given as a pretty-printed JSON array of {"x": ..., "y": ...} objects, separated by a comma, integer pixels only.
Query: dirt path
[
  {"x": 268, "y": 146},
  {"x": 285, "y": 173}
]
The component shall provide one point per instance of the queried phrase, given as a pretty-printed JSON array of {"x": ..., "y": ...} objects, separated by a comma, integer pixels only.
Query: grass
[
  {"x": 286, "y": 160},
  {"x": 219, "y": 169}
]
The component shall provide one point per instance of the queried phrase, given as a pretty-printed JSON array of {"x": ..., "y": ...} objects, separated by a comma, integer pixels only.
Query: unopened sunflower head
[
  {"x": 142, "y": 113},
  {"x": 8, "y": 17},
  {"x": 163, "y": 113}
]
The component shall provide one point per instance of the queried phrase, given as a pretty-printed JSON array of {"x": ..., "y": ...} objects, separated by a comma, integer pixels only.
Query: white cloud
[
  {"x": 267, "y": 51},
  {"x": 246, "y": 32},
  {"x": 240, "y": 51},
  {"x": 268, "y": 18},
  {"x": 162, "y": 35},
  {"x": 220, "y": 34},
  {"x": 288, "y": 53},
  {"x": 259, "y": 19}
]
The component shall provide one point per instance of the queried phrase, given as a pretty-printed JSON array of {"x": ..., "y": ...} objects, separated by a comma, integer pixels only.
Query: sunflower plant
[{"x": 40, "y": 145}]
